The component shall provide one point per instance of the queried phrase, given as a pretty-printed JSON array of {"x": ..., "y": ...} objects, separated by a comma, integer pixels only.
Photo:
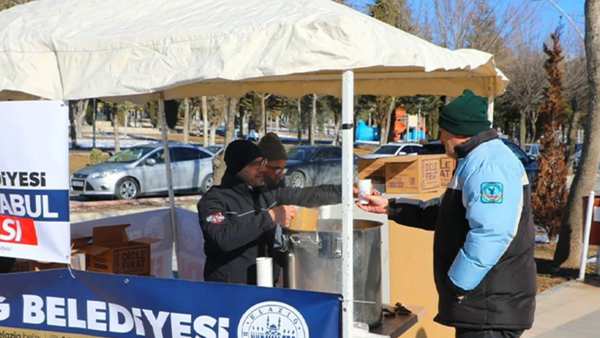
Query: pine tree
[{"x": 550, "y": 189}]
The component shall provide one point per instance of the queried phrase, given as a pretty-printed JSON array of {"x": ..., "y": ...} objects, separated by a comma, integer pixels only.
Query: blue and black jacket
[{"x": 484, "y": 238}]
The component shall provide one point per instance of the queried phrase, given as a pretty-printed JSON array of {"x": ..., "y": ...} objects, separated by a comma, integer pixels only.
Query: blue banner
[
  {"x": 39, "y": 205},
  {"x": 54, "y": 303}
]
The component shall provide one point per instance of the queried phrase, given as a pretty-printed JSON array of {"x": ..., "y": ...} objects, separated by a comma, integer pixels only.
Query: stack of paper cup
[
  {"x": 364, "y": 187},
  {"x": 264, "y": 271}
]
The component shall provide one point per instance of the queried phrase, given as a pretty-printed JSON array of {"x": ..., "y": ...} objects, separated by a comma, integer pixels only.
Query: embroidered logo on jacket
[
  {"x": 491, "y": 192},
  {"x": 216, "y": 218}
]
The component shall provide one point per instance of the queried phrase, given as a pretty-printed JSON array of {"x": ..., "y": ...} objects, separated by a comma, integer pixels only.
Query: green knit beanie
[
  {"x": 466, "y": 115},
  {"x": 271, "y": 147}
]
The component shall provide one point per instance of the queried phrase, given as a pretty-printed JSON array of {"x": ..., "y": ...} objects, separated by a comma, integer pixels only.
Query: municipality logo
[
  {"x": 272, "y": 320},
  {"x": 492, "y": 192}
]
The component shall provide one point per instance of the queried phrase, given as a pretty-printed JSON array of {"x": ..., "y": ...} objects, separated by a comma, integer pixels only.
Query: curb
[
  {"x": 556, "y": 288},
  {"x": 135, "y": 202}
]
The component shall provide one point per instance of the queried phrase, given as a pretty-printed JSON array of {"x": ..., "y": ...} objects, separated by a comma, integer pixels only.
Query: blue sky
[{"x": 574, "y": 8}]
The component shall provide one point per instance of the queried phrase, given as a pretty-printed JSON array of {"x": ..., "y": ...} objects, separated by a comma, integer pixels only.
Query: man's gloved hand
[{"x": 283, "y": 214}]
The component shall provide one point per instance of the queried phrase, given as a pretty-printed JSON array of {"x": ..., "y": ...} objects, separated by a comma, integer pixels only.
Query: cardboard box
[
  {"x": 305, "y": 219},
  {"x": 374, "y": 168},
  {"x": 77, "y": 259},
  {"x": 413, "y": 174},
  {"x": 111, "y": 251},
  {"x": 447, "y": 166},
  {"x": 24, "y": 265}
]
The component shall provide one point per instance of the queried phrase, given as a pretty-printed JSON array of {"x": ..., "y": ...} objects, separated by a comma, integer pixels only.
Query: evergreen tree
[{"x": 550, "y": 189}]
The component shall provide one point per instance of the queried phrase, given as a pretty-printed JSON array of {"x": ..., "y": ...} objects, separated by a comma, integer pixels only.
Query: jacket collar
[{"x": 463, "y": 149}]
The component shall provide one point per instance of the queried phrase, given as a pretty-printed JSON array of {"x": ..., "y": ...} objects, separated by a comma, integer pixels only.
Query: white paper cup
[
  {"x": 325, "y": 212},
  {"x": 364, "y": 187},
  {"x": 264, "y": 271}
]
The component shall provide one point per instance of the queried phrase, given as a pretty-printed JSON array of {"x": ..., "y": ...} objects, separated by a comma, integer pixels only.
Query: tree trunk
[
  {"x": 263, "y": 110},
  {"x": 568, "y": 250},
  {"x": 82, "y": 106},
  {"x": 336, "y": 131},
  {"x": 313, "y": 121},
  {"x": 300, "y": 121},
  {"x": 571, "y": 140},
  {"x": 213, "y": 133},
  {"x": 523, "y": 129},
  {"x": 383, "y": 136},
  {"x": 206, "y": 141},
  {"x": 218, "y": 162},
  {"x": 186, "y": 117},
  {"x": 72, "y": 125},
  {"x": 126, "y": 122},
  {"x": 116, "y": 127}
]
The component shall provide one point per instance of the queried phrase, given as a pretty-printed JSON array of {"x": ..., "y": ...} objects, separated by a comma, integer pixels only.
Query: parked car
[
  {"x": 141, "y": 170},
  {"x": 394, "y": 149},
  {"x": 529, "y": 162},
  {"x": 314, "y": 165},
  {"x": 214, "y": 149},
  {"x": 433, "y": 147},
  {"x": 532, "y": 149},
  {"x": 577, "y": 155}
]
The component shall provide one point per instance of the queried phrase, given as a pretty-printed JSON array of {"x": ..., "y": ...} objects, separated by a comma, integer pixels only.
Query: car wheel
[
  {"x": 127, "y": 189},
  {"x": 206, "y": 184},
  {"x": 298, "y": 180}
]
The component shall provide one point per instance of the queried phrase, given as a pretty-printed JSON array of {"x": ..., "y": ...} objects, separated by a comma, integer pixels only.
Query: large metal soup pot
[{"x": 314, "y": 262}]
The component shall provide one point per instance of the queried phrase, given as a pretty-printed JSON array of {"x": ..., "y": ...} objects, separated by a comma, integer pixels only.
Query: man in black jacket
[
  {"x": 239, "y": 217},
  {"x": 484, "y": 269}
]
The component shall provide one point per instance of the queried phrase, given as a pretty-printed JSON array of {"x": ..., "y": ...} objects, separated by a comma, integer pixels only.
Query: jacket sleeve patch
[
  {"x": 216, "y": 218},
  {"x": 492, "y": 192}
]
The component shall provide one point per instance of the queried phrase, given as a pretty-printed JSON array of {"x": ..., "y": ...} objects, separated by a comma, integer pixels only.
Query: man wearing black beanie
[
  {"x": 239, "y": 217},
  {"x": 484, "y": 268}
]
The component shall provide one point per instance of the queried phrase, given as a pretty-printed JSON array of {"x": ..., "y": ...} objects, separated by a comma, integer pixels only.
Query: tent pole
[
  {"x": 347, "y": 202},
  {"x": 161, "y": 107}
]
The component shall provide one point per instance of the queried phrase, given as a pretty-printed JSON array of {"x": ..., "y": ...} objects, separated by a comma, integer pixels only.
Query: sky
[{"x": 573, "y": 8}]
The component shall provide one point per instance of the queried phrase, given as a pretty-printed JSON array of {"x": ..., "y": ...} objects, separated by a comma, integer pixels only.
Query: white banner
[
  {"x": 191, "y": 246},
  {"x": 34, "y": 181}
]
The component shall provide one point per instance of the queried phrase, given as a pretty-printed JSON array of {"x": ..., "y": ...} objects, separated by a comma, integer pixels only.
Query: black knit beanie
[
  {"x": 271, "y": 147},
  {"x": 239, "y": 154},
  {"x": 466, "y": 115}
]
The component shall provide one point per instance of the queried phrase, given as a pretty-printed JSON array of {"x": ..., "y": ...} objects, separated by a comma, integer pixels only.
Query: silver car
[{"x": 141, "y": 170}]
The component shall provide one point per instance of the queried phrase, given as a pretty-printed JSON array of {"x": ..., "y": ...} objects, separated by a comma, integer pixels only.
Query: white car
[
  {"x": 394, "y": 149},
  {"x": 214, "y": 149},
  {"x": 532, "y": 149}
]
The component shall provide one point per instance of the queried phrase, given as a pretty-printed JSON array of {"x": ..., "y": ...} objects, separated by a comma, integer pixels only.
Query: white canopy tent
[{"x": 142, "y": 50}]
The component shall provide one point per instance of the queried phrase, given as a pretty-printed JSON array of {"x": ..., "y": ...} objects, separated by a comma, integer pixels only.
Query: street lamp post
[{"x": 566, "y": 16}]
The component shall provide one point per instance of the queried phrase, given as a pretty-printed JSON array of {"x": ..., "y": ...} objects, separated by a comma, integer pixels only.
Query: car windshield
[
  {"x": 300, "y": 154},
  {"x": 388, "y": 150},
  {"x": 213, "y": 149},
  {"x": 129, "y": 155},
  {"x": 432, "y": 148}
]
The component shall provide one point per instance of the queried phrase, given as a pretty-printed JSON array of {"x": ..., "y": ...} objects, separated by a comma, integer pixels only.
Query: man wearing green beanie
[{"x": 483, "y": 245}]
